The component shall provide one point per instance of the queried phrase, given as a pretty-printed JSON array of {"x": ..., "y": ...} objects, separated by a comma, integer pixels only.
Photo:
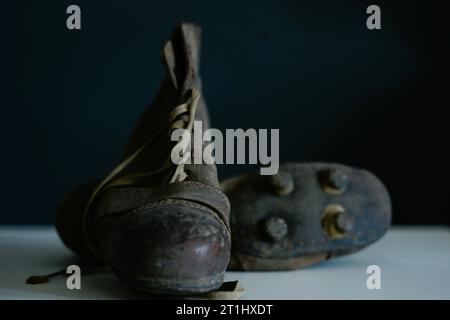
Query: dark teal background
[{"x": 337, "y": 91}]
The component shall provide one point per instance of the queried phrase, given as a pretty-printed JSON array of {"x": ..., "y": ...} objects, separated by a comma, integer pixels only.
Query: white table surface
[{"x": 414, "y": 262}]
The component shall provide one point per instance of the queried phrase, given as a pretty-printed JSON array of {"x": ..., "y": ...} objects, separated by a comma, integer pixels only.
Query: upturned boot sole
[{"x": 303, "y": 215}]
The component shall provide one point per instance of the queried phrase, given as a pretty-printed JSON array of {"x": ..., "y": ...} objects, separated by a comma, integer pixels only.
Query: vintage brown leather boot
[
  {"x": 305, "y": 214},
  {"x": 161, "y": 227}
]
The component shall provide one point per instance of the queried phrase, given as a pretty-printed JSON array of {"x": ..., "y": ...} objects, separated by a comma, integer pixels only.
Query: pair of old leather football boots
[{"x": 166, "y": 228}]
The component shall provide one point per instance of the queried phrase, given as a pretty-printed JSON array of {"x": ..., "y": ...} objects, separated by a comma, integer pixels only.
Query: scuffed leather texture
[
  {"x": 254, "y": 200},
  {"x": 119, "y": 200},
  {"x": 159, "y": 237},
  {"x": 169, "y": 239}
]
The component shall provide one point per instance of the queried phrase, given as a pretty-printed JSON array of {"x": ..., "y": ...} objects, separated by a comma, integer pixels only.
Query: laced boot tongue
[{"x": 182, "y": 117}]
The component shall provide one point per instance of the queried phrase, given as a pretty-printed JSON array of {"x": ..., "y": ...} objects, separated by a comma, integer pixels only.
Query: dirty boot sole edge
[{"x": 171, "y": 287}]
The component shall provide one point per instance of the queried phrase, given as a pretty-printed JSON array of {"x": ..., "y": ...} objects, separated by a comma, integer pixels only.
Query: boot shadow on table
[{"x": 97, "y": 282}]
